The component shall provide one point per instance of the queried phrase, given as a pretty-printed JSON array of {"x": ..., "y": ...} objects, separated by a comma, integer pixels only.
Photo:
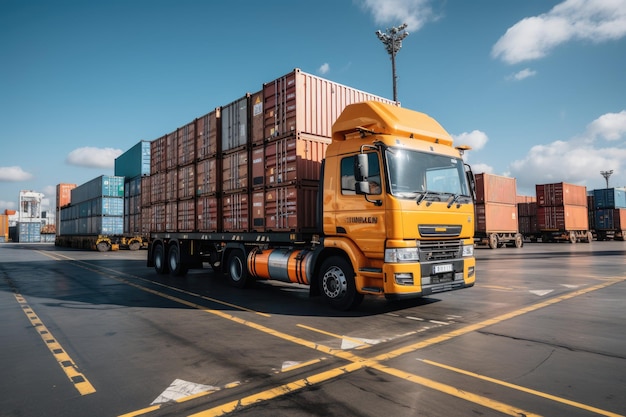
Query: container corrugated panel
[
  {"x": 300, "y": 102},
  {"x": 186, "y": 213},
  {"x": 290, "y": 208},
  {"x": 619, "y": 217},
  {"x": 561, "y": 193},
  {"x": 64, "y": 194},
  {"x": 134, "y": 205},
  {"x": 207, "y": 129},
  {"x": 206, "y": 176},
  {"x": 171, "y": 185},
  {"x": 107, "y": 206},
  {"x": 102, "y": 186},
  {"x": 294, "y": 159},
  {"x": 171, "y": 216},
  {"x": 133, "y": 224},
  {"x": 526, "y": 199},
  {"x": 257, "y": 167},
  {"x": 528, "y": 224},
  {"x": 495, "y": 189},
  {"x": 235, "y": 170},
  {"x": 496, "y": 218},
  {"x": 157, "y": 187},
  {"x": 527, "y": 209},
  {"x": 186, "y": 142},
  {"x": 234, "y": 117},
  {"x": 207, "y": 213},
  {"x": 256, "y": 118},
  {"x": 186, "y": 182},
  {"x": 135, "y": 162},
  {"x": 604, "y": 219},
  {"x": 171, "y": 156},
  {"x": 610, "y": 198},
  {"x": 235, "y": 212},
  {"x": 158, "y": 154},
  {"x": 28, "y": 232},
  {"x": 132, "y": 186},
  {"x": 106, "y": 225},
  {"x": 146, "y": 191},
  {"x": 258, "y": 210},
  {"x": 563, "y": 218}
]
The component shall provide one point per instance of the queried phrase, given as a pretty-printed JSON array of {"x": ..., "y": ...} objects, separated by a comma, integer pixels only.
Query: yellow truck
[{"x": 394, "y": 218}]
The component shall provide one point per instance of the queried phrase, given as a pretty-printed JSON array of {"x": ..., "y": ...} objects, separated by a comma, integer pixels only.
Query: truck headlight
[
  {"x": 468, "y": 250},
  {"x": 396, "y": 255}
]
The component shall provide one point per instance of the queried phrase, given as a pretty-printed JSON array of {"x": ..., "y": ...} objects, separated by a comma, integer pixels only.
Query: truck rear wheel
[
  {"x": 519, "y": 241},
  {"x": 572, "y": 237},
  {"x": 176, "y": 267},
  {"x": 236, "y": 269},
  {"x": 337, "y": 284},
  {"x": 103, "y": 246},
  {"x": 134, "y": 245},
  {"x": 493, "y": 241},
  {"x": 158, "y": 255}
]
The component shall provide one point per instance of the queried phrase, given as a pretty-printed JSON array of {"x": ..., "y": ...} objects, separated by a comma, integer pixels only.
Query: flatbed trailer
[{"x": 499, "y": 239}]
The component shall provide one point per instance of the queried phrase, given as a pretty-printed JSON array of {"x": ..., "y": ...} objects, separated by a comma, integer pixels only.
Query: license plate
[{"x": 439, "y": 269}]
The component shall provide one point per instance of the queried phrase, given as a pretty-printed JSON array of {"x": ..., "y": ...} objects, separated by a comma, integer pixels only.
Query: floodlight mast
[
  {"x": 392, "y": 39},
  {"x": 606, "y": 175}
]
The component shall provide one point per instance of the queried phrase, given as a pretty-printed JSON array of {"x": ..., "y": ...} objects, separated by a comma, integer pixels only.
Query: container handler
[{"x": 395, "y": 218}]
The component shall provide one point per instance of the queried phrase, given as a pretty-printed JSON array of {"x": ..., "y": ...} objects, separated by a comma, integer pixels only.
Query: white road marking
[{"x": 180, "y": 389}]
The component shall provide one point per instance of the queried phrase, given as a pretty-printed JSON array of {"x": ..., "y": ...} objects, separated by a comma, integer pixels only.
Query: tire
[
  {"x": 519, "y": 241},
  {"x": 336, "y": 283},
  {"x": 158, "y": 255},
  {"x": 589, "y": 237},
  {"x": 572, "y": 237},
  {"x": 175, "y": 265},
  {"x": 237, "y": 269},
  {"x": 134, "y": 245},
  {"x": 103, "y": 246},
  {"x": 493, "y": 241}
]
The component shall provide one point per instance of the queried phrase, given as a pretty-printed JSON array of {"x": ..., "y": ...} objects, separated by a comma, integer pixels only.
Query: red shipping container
[
  {"x": 145, "y": 191},
  {"x": 257, "y": 167},
  {"x": 171, "y": 185},
  {"x": 157, "y": 187},
  {"x": 559, "y": 194},
  {"x": 495, "y": 189},
  {"x": 235, "y": 171},
  {"x": 207, "y": 213},
  {"x": 293, "y": 159},
  {"x": 526, "y": 199},
  {"x": 528, "y": 225},
  {"x": 186, "y": 216},
  {"x": 526, "y": 209},
  {"x": 186, "y": 182},
  {"x": 258, "y": 211},
  {"x": 496, "y": 218},
  {"x": 206, "y": 176},
  {"x": 563, "y": 218},
  {"x": 186, "y": 144},
  {"x": 256, "y": 118},
  {"x": 291, "y": 208},
  {"x": 147, "y": 220},
  {"x": 158, "y": 217},
  {"x": 235, "y": 213},
  {"x": 64, "y": 194},
  {"x": 171, "y": 216},
  {"x": 158, "y": 152},
  {"x": 207, "y": 128},
  {"x": 300, "y": 102},
  {"x": 171, "y": 155}
]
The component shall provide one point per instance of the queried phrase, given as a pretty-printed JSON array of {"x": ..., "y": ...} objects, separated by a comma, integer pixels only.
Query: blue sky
[{"x": 537, "y": 87}]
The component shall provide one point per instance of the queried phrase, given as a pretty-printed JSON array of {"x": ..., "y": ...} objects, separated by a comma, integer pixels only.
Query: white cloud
[
  {"x": 480, "y": 168},
  {"x": 93, "y": 157},
  {"x": 415, "y": 13},
  {"x": 523, "y": 74},
  {"x": 535, "y": 37},
  {"x": 324, "y": 68},
  {"x": 14, "y": 174},
  {"x": 579, "y": 160},
  {"x": 476, "y": 139},
  {"x": 7, "y": 205}
]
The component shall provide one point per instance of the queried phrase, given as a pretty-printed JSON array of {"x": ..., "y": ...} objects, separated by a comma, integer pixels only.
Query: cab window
[{"x": 347, "y": 175}]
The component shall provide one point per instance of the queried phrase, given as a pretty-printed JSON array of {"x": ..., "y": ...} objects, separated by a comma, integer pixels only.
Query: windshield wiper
[{"x": 423, "y": 196}]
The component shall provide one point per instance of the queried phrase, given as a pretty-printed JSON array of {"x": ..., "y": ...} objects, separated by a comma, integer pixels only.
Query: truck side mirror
[{"x": 361, "y": 172}]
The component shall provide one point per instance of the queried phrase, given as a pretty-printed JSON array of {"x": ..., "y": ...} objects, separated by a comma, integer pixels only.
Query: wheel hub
[{"x": 334, "y": 282}]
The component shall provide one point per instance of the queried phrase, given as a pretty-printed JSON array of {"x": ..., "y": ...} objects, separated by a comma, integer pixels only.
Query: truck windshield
[{"x": 413, "y": 174}]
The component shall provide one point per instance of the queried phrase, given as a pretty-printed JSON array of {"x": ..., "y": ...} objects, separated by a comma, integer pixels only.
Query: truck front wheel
[
  {"x": 236, "y": 269},
  {"x": 337, "y": 284}
]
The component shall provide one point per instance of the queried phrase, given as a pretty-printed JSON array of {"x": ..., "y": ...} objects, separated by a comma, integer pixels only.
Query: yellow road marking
[
  {"x": 523, "y": 389},
  {"x": 66, "y": 363},
  {"x": 336, "y": 336}
]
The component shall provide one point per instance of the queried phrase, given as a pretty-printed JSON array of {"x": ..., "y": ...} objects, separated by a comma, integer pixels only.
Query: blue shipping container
[
  {"x": 28, "y": 232},
  {"x": 610, "y": 198},
  {"x": 135, "y": 162},
  {"x": 102, "y": 186}
]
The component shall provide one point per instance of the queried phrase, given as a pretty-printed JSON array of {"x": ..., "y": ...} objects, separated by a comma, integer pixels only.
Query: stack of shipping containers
[
  {"x": 134, "y": 165},
  {"x": 527, "y": 216},
  {"x": 250, "y": 165},
  {"x": 97, "y": 207},
  {"x": 562, "y": 207},
  {"x": 495, "y": 209},
  {"x": 609, "y": 213}
]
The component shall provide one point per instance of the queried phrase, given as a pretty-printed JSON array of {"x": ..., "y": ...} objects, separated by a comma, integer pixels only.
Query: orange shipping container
[
  {"x": 4, "y": 228},
  {"x": 64, "y": 194},
  {"x": 563, "y": 218},
  {"x": 495, "y": 189},
  {"x": 290, "y": 208},
  {"x": 294, "y": 159},
  {"x": 559, "y": 194},
  {"x": 496, "y": 218}
]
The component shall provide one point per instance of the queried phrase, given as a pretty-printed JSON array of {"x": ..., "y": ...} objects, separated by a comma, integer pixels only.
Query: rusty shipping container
[
  {"x": 186, "y": 182},
  {"x": 171, "y": 154},
  {"x": 206, "y": 176},
  {"x": 562, "y": 218},
  {"x": 560, "y": 194},
  {"x": 207, "y": 133},
  {"x": 207, "y": 213},
  {"x": 290, "y": 208},
  {"x": 234, "y": 119},
  {"x": 235, "y": 212},
  {"x": 495, "y": 189},
  {"x": 255, "y": 107},
  {"x": 186, "y": 144},
  {"x": 64, "y": 194},
  {"x": 294, "y": 159},
  {"x": 300, "y": 102},
  {"x": 528, "y": 225},
  {"x": 157, "y": 187},
  {"x": 158, "y": 152},
  {"x": 257, "y": 167},
  {"x": 526, "y": 209},
  {"x": 186, "y": 216},
  {"x": 171, "y": 185},
  {"x": 496, "y": 218},
  {"x": 146, "y": 191},
  {"x": 258, "y": 210},
  {"x": 235, "y": 171}
]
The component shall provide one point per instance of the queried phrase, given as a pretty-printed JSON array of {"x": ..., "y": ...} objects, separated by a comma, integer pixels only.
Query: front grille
[{"x": 438, "y": 250}]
